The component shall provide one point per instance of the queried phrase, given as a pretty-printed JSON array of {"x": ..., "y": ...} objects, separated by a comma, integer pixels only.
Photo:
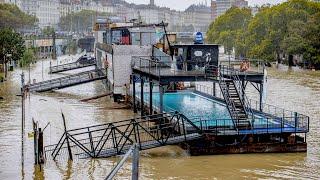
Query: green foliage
[
  {"x": 48, "y": 31},
  {"x": 11, "y": 43},
  {"x": 290, "y": 28},
  {"x": 228, "y": 29},
  {"x": 80, "y": 21},
  {"x": 27, "y": 58},
  {"x": 12, "y": 17},
  {"x": 72, "y": 47}
]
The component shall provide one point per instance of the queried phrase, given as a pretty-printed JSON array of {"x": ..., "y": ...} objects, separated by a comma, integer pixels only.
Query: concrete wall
[{"x": 121, "y": 64}]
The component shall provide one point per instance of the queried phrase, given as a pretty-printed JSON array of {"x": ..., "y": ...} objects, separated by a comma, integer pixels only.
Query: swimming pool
[{"x": 197, "y": 107}]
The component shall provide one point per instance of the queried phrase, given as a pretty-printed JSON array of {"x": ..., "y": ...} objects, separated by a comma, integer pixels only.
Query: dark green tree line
[
  {"x": 12, "y": 17},
  {"x": 290, "y": 28},
  {"x": 79, "y": 21}
]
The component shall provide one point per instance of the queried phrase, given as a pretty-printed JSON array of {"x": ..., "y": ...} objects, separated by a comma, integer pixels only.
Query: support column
[
  {"x": 261, "y": 94},
  {"x": 161, "y": 91},
  {"x": 135, "y": 163},
  {"x": 150, "y": 97},
  {"x": 134, "y": 93},
  {"x": 243, "y": 89},
  {"x": 141, "y": 96},
  {"x": 214, "y": 89}
]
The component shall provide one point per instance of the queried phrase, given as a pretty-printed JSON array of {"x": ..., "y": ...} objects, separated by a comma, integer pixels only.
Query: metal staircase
[
  {"x": 235, "y": 104},
  {"x": 233, "y": 94},
  {"x": 67, "y": 81},
  {"x": 74, "y": 65}
]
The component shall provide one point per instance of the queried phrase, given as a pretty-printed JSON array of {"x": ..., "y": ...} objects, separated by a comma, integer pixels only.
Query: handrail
[
  {"x": 243, "y": 97},
  {"x": 134, "y": 151},
  {"x": 227, "y": 99},
  {"x": 83, "y": 76}
]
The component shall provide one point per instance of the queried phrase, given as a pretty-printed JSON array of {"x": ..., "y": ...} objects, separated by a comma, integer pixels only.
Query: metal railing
[
  {"x": 134, "y": 152},
  {"x": 261, "y": 126},
  {"x": 230, "y": 104},
  {"x": 66, "y": 81},
  {"x": 70, "y": 66},
  {"x": 243, "y": 97},
  {"x": 256, "y": 65},
  {"x": 116, "y": 138},
  {"x": 161, "y": 66},
  {"x": 267, "y": 109}
]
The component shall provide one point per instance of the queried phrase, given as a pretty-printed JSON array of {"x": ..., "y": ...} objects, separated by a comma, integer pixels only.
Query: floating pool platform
[
  {"x": 229, "y": 123},
  {"x": 269, "y": 134}
]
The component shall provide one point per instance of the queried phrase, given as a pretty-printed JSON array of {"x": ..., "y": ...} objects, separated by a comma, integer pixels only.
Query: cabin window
[{"x": 135, "y": 38}]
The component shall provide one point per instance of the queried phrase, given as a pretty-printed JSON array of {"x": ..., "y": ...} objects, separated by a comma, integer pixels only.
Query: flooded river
[{"x": 285, "y": 89}]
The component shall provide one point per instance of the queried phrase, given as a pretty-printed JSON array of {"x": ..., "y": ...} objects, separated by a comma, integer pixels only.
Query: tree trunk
[{"x": 290, "y": 60}]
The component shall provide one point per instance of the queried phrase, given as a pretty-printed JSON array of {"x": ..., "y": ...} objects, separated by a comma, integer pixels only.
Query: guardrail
[
  {"x": 265, "y": 125},
  {"x": 261, "y": 124},
  {"x": 267, "y": 109},
  {"x": 65, "y": 81},
  {"x": 134, "y": 152},
  {"x": 255, "y": 65},
  {"x": 161, "y": 66}
]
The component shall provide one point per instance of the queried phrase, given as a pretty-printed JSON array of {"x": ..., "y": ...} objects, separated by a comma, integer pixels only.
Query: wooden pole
[
  {"x": 40, "y": 146},
  {"x": 67, "y": 137}
]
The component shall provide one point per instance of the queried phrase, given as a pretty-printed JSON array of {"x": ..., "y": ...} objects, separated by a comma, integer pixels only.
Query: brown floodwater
[{"x": 171, "y": 162}]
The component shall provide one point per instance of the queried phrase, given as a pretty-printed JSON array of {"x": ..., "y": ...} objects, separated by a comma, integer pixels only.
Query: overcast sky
[{"x": 183, "y": 4}]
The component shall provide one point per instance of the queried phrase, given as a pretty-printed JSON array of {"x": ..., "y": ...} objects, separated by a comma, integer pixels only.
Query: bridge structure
[
  {"x": 71, "y": 66},
  {"x": 116, "y": 138},
  {"x": 66, "y": 81}
]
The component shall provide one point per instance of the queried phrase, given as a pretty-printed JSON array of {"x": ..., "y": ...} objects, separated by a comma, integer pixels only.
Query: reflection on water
[{"x": 162, "y": 163}]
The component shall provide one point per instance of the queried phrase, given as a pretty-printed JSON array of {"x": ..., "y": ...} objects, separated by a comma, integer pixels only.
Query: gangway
[
  {"x": 71, "y": 66},
  {"x": 67, "y": 81},
  {"x": 116, "y": 138}
]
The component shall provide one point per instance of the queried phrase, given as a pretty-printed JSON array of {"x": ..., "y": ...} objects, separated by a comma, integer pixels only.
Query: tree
[
  {"x": 11, "y": 43},
  {"x": 80, "y": 21},
  {"x": 290, "y": 28},
  {"x": 27, "y": 58},
  {"x": 12, "y": 17},
  {"x": 280, "y": 29},
  {"x": 229, "y": 28},
  {"x": 48, "y": 31}
]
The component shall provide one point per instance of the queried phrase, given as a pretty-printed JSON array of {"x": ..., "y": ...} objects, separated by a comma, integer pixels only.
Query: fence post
[
  {"x": 40, "y": 147},
  {"x": 67, "y": 137},
  {"x": 295, "y": 126},
  {"x": 135, "y": 162}
]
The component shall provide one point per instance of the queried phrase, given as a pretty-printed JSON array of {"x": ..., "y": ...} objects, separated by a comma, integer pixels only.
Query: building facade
[{"x": 221, "y": 6}]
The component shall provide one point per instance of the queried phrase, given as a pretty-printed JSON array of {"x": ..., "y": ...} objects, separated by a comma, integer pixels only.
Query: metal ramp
[
  {"x": 116, "y": 138},
  {"x": 67, "y": 81},
  {"x": 74, "y": 65}
]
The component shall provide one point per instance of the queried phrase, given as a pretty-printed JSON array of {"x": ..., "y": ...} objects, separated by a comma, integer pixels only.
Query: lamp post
[{"x": 5, "y": 64}]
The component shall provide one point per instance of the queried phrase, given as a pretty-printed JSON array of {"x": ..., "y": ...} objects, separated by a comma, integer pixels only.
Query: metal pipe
[
  {"x": 141, "y": 96},
  {"x": 67, "y": 137},
  {"x": 134, "y": 93}
]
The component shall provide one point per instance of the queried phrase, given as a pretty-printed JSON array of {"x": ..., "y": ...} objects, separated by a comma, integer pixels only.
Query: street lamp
[{"x": 5, "y": 65}]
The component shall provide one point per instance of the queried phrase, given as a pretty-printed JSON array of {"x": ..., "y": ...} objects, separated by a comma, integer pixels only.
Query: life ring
[{"x": 244, "y": 66}]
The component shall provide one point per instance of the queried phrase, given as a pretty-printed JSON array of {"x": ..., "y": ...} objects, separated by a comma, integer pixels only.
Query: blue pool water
[{"x": 196, "y": 107}]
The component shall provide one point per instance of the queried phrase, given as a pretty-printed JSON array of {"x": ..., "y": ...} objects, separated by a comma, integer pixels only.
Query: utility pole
[{"x": 54, "y": 53}]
